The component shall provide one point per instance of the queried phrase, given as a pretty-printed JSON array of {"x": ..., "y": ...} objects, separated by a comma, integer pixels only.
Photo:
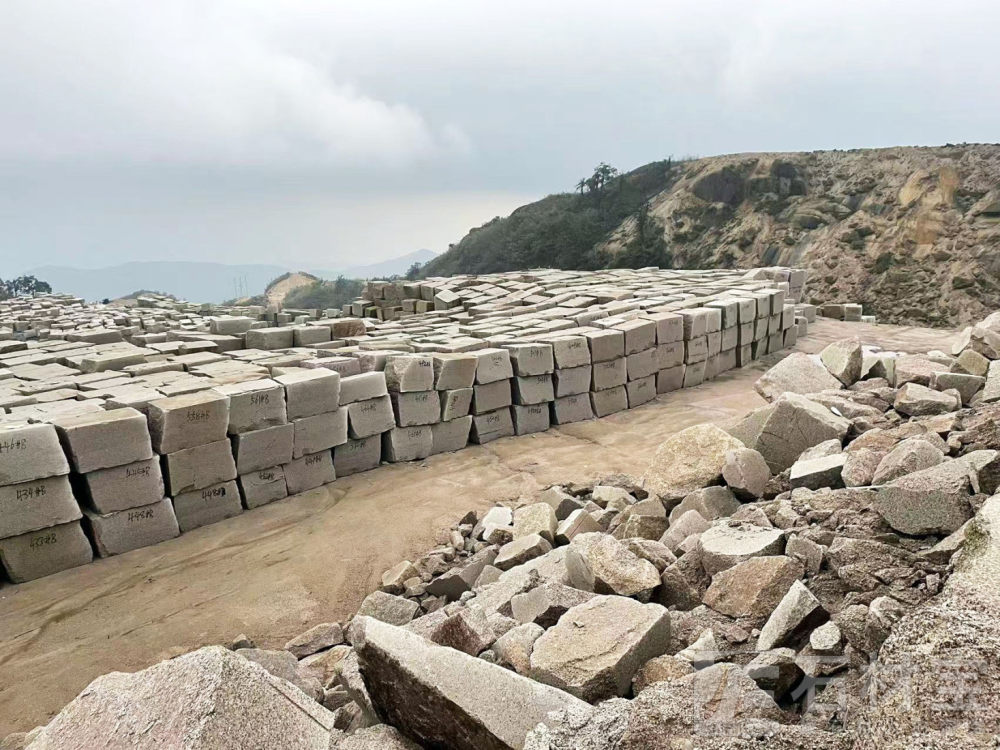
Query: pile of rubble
[
  {"x": 821, "y": 574},
  {"x": 173, "y": 416}
]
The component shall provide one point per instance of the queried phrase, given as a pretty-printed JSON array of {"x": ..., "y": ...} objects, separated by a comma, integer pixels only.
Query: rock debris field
[
  {"x": 820, "y": 574},
  {"x": 124, "y": 427}
]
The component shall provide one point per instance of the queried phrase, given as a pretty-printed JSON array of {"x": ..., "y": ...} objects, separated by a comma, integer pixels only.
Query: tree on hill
[{"x": 23, "y": 285}]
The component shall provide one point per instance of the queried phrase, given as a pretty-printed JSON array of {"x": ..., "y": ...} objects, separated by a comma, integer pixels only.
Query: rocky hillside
[{"x": 912, "y": 233}]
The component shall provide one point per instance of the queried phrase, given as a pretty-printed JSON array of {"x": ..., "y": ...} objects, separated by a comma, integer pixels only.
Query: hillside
[{"x": 912, "y": 233}]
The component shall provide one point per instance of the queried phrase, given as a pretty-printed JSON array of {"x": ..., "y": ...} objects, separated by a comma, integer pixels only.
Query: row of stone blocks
[{"x": 200, "y": 458}]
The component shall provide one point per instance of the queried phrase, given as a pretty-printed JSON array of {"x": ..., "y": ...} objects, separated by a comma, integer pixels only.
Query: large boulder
[
  {"x": 908, "y": 456},
  {"x": 916, "y": 400},
  {"x": 798, "y": 612},
  {"x": 843, "y": 359},
  {"x": 600, "y": 563},
  {"x": 753, "y": 588},
  {"x": 781, "y": 431},
  {"x": 932, "y": 501},
  {"x": 796, "y": 373},
  {"x": 689, "y": 460},
  {"x": 443, "y": 698},
  {"x": 746, "y": 473},
  {"x": 596, "y": 647},
  {"x": 936, "y": 683},
  {"x": 729, "y": 543},
  {"x": 210, "y": 698}
]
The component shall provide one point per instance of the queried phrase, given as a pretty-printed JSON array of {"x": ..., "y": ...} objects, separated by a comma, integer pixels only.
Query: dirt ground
[{"x": 277, "y": 570}]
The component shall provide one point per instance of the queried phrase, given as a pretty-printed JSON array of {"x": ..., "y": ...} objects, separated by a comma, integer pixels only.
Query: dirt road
[{"x": 277, "y": 570}]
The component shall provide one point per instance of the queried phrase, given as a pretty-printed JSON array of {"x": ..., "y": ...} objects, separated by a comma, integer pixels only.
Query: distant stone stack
[
  {"x": 118, "y": 479},
  {"x": 40, "y": 531},
  {"x": 191, "y": 433}
]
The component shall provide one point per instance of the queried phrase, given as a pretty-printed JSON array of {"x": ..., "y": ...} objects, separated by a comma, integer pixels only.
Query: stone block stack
[
  {"x": 190, "y": 432},
  {"x": 313, "y": 405},
  {"x": 454, "y": 382},
  {"x": 571, "y": 379},
  {"x": 415, "y": 405},
  {"x": 40, "y": 531},
  {"x": 492, "y": 396},
  {"x": 533, "y": 390},
  {"x": 118, "y": 479},
  {"x": 365, "y": 398}
]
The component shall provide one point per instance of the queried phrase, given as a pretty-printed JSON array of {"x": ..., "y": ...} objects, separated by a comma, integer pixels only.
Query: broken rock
[{"x": 689, "y": 460}]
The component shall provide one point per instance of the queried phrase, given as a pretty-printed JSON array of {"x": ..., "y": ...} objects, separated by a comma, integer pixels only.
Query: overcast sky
[{"x": 326, "y": 134}]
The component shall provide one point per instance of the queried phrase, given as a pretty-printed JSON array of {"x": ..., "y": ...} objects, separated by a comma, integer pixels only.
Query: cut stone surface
[
  {"x": 689, "y": 523},
  {"x": 181, "y": 422},
  {"x": 689, "y": 460},
  {"x": 357, "y": 455},
  {"x": 367, "y": 418},
  {"x": 44, "y": 552},
  {"x": 125, "y": 530},
  {"x": 254, "y": 405},
  {"x": 195, "y": 468},
  {"x": 35, "y": 505},
  {"x": 207, "y": 699},
  {"x": 724, "y": 545},
  {"x": 29, "y": 452},
  {"x": 313, "y": 434},
  {"x": 409, "y": 372},
  {"x": 122, "y": 487},
  {"x": 263, "y": 486},
  {"x": 781, "y": 431},
  {"x": 537, "y": 518},
  {"x": 798, "y": 612},
  {"x": 309, "y": 392},
  {"x": 362, "y": 387},
  {"x": 578, "y": 522},
  {"x": 932, "y": 501},
  {"x": 444, "y": 698},
  {"x": 208, "y": 505},
  {"x": 746, "y": 473},
  {"x": 310, "y": 471},
  {"x": 99, "y": 440},
  {"x": 450, "y": 436},
  {"x": 600, "y": 563},
  {"x": 491, "y": 426},
  {"x": 596, "y": 647},
  {"x": 754, "y": 587},
  {"x": 818, "y": 472},
  {"x": 453, "y": 371},
  {"x": 843, "y": 359},
  {"x": 796, "y": 373}
]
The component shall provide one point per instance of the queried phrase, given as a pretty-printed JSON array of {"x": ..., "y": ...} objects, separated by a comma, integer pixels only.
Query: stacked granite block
[
  {"x": 190, "y": 432},
  {"x": 312, "y": 399},
  {"x": 533, "y": 365},
  {"x": 415, "y": 405},
  {"x": 118, "y": 479},
  {"x": 40, "y": 531},
  {"x": 365, "y": 398},
  {"x": 454, "y": 383},
  {"x": 492, "y": 396}
]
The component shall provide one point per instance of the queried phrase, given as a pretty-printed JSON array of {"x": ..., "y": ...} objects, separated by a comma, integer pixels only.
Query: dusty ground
[{"x": 279, "y": 569}]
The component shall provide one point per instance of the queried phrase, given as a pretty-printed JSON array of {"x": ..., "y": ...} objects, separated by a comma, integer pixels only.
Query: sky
[{"x": 325, "y": 134}]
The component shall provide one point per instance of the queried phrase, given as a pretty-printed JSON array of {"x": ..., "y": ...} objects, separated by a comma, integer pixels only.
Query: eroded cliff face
[{"x": 912, "y": 233}]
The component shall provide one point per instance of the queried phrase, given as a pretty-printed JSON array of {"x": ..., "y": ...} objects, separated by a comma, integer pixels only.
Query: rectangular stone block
[
  {"x": 416, "y": 407},
  {"x": 641, "y": 364},
  {"x": 730, "y": 338},
  {"x": 745, "y": 334},
  {"x": 609, "y": 374},
  {"x": 727, "y": 360},
  {"x": 194, "y": 468},
  {"x": 570, "y": 409},
  {"x": 30, "y": 451},
  {"x": 670, "y": 379},
  {"x": 488, "y": 397},
  {"x": 126, "y": 530},
  {"x": 366, "y": 418},
  {"x": 744, "y": 355},
  {"x": 572, "y": 380},
  {"x": 694, "y": 374},
  {"x": 409, "y": 372},
  {"x": 362, "y": 387},
  {"x": 492, "y": 425},
  {"x": 254, "y": 405},
  {"x": 712, "y": 367},
  {"x": 309, "y": 472},
  {"x": 184, "y": 421},
  {"x": 695, "y": 322},
  {"x": 493, "y": 365},
  {"x": 729, "y": 308},
  {"x": 533, "y": 389},
  {"x": 455, "y": 403},
  {"x": 570, "y": 351},
  {"x": 44, "y": 552},
  {"x": 605, "y": 345},
  {"x": 747, "y": 310},
  {"x": 122, "y": 487},
  {"x": 714, "y": 341},
  {"x": 609, "y": 401},
  {"x": 789, "y": 337},
  {"x": 207, "y": 505},
  {"x": 669, "y": 355},
  {"x": 530, "y": 418},
  {"x": 696, "y": 350},
  {"x": 407, "y": 443},
  {"x": 531, "y": 359},
  {"x": 669, "y": 327},
  {"x": 309, "y": 335},
  {"x": 760, "y": 329},
  {"x": 450, "y": 436},
  {"x": 37, "y": 504},
  {"x": 356, "y": 456},
  {"x": 270, "y": 338},
  {"x": 311, "y": 435},
  {"x": 97, "y": 440},
  {"x": 263, "y": 486},
  {"x": 775, "y": 342},
  {"x": 773, "y": 325},
  {"x": 640, "y": 391},
  {"x": 310, "y": 392},
  {"x": 454, "y": 371},
  {"x": 640, "y": 334}
]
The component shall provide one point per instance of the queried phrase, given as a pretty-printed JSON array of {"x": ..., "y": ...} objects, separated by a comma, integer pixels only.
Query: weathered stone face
[
  {"x": 600, "y": 563},
  {"x": 933, "y": 501},
  {"x": 691, "y": 459},
  {"x": 843, "y": 359}
]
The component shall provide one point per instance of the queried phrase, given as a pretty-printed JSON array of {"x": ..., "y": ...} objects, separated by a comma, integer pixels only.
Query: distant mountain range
[{"x": 198, "y": 281}]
